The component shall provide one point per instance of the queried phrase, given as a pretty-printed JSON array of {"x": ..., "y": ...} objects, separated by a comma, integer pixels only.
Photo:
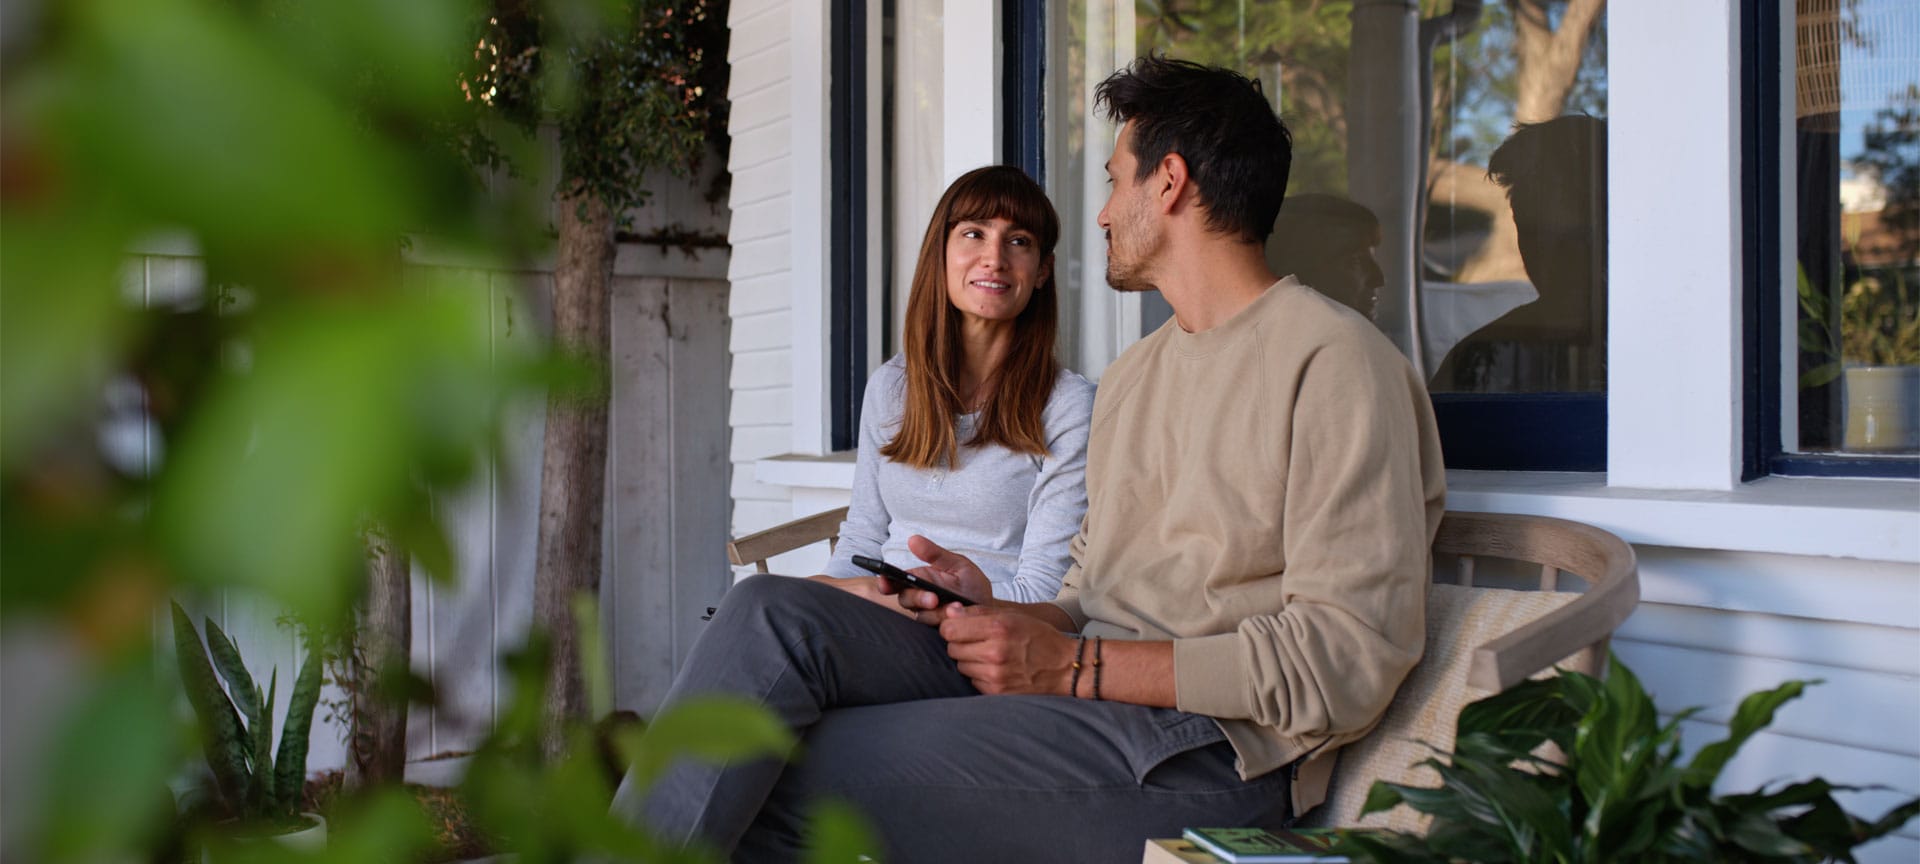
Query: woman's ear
[{"x": 1046, "y": 271}]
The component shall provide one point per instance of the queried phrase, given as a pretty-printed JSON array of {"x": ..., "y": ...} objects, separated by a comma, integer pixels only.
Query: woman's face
[{"x": 993, "y": 268}]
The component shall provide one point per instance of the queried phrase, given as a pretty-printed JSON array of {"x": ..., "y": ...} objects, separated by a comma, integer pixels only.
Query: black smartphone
[{"x": 907, "y": 580}]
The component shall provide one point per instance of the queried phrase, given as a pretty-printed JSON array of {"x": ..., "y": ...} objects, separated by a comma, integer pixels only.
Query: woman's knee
[{"x": 764, "y": 592}]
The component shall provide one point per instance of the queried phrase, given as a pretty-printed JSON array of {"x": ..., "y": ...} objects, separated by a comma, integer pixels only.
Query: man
[{"x": 1264, "y": 481}]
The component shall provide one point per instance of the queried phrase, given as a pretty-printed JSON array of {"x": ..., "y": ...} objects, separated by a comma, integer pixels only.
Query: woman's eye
[
  {"x": 971, "y": 233},
  {"x": 1021, "y": 241}
]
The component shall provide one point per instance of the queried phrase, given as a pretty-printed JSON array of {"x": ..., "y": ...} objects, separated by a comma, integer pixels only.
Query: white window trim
[
  {"x": 809, "y": 227},
  {"x": 1674, "y": 355}
]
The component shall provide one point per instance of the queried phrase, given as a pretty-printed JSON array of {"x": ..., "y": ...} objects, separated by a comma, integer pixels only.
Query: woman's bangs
[{"x": 1010, "y": 197}]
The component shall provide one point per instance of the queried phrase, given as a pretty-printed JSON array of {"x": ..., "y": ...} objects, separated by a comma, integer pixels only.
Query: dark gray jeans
[{"x": 946, "y": 774}]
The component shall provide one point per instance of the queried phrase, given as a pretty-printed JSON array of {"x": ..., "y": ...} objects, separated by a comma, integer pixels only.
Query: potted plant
[
  {"x": 254, "y": 788},
  {"x": 1880, "y": 315},
  {"x": 1614, "y": 789}
]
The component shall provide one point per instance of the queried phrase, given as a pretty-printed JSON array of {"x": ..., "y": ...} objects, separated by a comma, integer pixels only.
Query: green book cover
[{"x": 1260, "y": 846}]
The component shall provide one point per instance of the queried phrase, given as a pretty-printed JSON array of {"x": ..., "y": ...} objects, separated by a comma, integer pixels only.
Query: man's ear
[{"x": 1173, "y": 181}]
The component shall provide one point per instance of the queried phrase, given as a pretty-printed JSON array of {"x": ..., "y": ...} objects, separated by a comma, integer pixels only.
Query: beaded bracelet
[
  {"x": 1073, "y": 689},
  {"x": 1096, "y": 668}
]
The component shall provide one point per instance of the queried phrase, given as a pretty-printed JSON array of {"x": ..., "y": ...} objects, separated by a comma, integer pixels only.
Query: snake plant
[{"x": 251, "y": 781}]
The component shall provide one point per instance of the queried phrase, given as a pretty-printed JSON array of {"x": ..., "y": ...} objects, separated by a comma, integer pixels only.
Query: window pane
[
  {"x": 1857, "y": 289},
  {"x": 911, "y": 170},
  {"x": 1511, "y": 291}
]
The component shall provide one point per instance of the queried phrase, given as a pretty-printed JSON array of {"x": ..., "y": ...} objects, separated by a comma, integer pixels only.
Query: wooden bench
[{"x": 1490, "y": 625}]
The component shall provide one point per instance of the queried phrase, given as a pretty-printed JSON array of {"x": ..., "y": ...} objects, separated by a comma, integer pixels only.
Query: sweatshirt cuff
[
  {"x": 1071, "y": 606},
  {"x": 1210, "y": 676}
]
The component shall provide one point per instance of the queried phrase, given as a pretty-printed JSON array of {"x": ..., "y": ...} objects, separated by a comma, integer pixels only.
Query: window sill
[
  {"x": 1875, "y": 520},
  {"x": 832, "y": 471}
]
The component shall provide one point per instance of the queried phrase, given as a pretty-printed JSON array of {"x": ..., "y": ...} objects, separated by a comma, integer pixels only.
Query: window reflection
[
  {"x": 1856, "y": 369},
  {"x": 1491, "y": 281}
]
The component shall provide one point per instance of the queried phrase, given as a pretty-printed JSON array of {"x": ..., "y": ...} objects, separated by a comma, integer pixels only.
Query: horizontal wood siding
[
  {"x": 760, "y": 301},
  {"x": 1715, "y": 626}
]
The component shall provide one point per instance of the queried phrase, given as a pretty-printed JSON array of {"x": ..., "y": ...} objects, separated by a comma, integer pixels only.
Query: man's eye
[{"x": 1021, "y": 241}]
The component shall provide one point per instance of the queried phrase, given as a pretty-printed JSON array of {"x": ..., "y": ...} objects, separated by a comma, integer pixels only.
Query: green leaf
[
  {"x": 290, "y": 768},
  {"x": 718, "y": 729},
  {"x": 387, "y": 825},
  {"x": 597, "y": 681},
  {"x": 1890, "y": 822},
  {"x": 342, "y": 399},
  {"x": 837, "y": 833},
  {"x": 263, "y": 749},
  {"x": 1822, "y": 374},
  {"x": 66, "y": 320},
  {"x": 220, "y": 728},
  {"x": 1523, "y": 716},
  {"x": 233, "y": 670},
  {"x": 101, "y": 792},
  {"x": 1381, "y": 796},
  {"x": 1754, "y": 714}
]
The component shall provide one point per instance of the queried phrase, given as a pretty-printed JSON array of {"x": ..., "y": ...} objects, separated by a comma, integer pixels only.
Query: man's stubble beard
[{"x": 1130, "y": 277}]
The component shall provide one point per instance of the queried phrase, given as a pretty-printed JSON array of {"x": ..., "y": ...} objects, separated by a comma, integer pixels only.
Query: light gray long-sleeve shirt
[{"x": 1013, "y": 514}]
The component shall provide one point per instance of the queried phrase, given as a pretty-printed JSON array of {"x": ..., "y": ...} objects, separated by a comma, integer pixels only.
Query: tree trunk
[
  {"x": 1549, "y": 58},
  {"x": 1548, "y": 61},
  {"x": 574, "y": 461},
  {"x": 381, "y": 646}
]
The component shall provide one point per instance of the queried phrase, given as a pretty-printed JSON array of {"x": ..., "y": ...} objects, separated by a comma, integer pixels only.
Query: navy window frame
[
  {"x": 1763, "y": 451},
  {"x": 847, "y": 221}
]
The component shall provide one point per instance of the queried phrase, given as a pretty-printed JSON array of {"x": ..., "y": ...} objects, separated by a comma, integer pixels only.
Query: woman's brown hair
[{"x": 1019, "y": 389}]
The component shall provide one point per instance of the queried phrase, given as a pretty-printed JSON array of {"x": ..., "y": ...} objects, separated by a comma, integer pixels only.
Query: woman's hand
[
  {"x": 864, "y": 586},
  {"x": 949, "y": 569}
]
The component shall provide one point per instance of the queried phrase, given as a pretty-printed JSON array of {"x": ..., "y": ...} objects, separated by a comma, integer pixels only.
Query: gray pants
[{"x": 946, "y": 774}]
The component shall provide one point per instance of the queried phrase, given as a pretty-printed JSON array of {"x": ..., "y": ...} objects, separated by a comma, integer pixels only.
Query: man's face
[{"x": 1132, "y": 235}]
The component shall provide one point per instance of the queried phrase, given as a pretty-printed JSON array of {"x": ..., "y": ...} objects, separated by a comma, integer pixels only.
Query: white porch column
[
  {"x": 811, "y": 211},
  {"x": 1675, "y": 355}
]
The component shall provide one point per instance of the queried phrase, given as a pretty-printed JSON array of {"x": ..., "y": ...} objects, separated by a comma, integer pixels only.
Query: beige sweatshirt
[{"x": 1265, "y": 495}]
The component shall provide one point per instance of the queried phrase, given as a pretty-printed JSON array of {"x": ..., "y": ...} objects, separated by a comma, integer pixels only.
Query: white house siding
[
  {"x": 761, "y": 274},
  {"x": 460, "y": 626},
  {"x": 1715, "y": 626}
]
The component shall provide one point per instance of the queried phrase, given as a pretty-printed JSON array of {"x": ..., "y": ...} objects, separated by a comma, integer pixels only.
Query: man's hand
[
  {"x": 949, "y": 569},
  {"x": 1005, "y": 650}
]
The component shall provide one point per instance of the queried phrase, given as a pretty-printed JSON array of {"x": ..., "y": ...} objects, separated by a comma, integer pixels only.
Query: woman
[{"x": 974, "y": 435}]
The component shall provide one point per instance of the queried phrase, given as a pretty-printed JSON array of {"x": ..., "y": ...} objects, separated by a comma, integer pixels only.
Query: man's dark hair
[{"x": 1237, "y": 152}]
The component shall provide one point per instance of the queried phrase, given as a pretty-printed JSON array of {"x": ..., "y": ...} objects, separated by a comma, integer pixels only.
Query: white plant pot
[
  {"x": 1883, "y": 409},
  {"x": 312, "y": 838}
]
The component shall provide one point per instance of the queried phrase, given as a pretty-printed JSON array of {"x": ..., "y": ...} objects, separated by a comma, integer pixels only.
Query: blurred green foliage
[
  {"x": 630, "y": 87},
  {"x": 1880, "y": 318},
  {"x": 311, "y": 378}
]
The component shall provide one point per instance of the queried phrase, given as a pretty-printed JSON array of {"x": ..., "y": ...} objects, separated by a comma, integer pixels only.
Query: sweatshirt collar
[{"x": 1228, "y": 331}]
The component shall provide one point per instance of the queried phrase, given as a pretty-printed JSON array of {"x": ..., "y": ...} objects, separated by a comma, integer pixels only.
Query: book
[
  {"x": 1176, "y": 851},
  {"x": 1260, "y": 846}
]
